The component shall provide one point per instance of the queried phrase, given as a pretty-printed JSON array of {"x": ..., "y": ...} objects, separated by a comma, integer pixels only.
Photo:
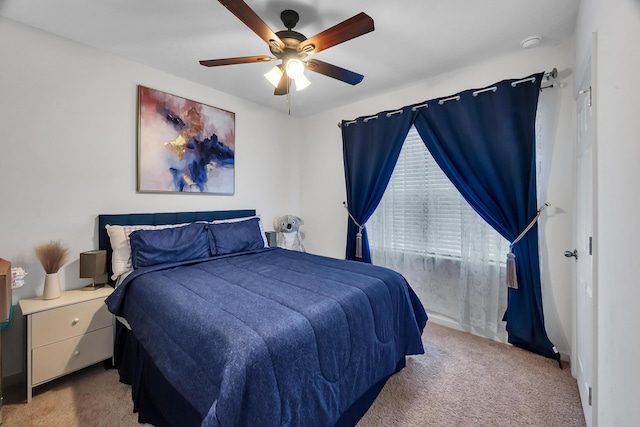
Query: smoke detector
[{"x": 530, "y": 42}]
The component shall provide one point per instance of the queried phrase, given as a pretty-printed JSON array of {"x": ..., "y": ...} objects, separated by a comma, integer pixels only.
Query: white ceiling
[{"x": 413, "y": 39}]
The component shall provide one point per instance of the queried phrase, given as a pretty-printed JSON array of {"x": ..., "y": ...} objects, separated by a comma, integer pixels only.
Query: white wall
[
  {"x": 68, "y": 121},
  {"x": 617, "y": 24},
  {"x": 323, "y": 172}
]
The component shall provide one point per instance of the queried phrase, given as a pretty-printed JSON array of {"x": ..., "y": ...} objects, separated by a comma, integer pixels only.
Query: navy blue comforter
[{"x": 272, "y": 337}]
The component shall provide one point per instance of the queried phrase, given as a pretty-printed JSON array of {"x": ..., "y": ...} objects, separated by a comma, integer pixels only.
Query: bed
[{"x": 219, "y": 330}]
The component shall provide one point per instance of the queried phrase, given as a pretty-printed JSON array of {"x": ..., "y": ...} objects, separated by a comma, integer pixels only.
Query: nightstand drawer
[
  {"x": 61, "y": 323},
  {"x": 54, "y": 360}
]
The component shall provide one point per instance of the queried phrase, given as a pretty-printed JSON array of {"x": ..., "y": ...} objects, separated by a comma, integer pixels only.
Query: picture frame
[{"x": 184, "y": 146}]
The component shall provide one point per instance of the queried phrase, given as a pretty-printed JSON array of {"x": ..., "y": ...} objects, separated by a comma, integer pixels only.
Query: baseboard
[{"x": 443, "y": 321}]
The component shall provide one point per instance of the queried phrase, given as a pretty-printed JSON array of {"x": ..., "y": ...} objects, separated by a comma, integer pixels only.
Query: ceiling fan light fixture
[
  {"x": 274, "y": 75},
  {"x": 302, "y": 82},
  {"x": 295, "y": 68}
]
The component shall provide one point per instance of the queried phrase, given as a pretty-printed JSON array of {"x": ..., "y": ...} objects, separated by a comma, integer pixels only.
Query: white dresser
[{"x": 66, "y": 334}]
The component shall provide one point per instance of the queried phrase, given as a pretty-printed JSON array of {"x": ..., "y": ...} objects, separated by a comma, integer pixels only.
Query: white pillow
[
  {"x": 121, "y": 247},
  {"x": 264, "y": 235}
]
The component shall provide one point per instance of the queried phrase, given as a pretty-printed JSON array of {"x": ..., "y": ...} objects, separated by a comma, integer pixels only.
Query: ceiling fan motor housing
[{"x": 291, "y": 39}]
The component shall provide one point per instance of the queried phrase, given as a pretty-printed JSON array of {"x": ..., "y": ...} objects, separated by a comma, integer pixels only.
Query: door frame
[{"x": 589, "y": 65}]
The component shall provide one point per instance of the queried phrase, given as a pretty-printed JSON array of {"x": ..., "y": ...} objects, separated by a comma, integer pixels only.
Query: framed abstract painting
[{"x": 184, "y": 146}]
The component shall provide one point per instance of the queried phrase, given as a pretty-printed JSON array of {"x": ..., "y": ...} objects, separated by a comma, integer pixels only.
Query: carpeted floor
[{"x": 461, "y": 380}]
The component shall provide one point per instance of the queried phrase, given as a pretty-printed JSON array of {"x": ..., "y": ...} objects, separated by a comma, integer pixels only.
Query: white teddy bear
[{"x": 288, "y": 234}]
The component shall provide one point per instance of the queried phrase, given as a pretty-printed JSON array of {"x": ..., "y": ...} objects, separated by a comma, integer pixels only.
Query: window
[{"x": 422, "y": 212}]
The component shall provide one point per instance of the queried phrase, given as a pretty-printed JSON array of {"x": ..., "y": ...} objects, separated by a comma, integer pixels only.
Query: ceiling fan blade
[
  {"x": 340, "y": 33},
  {"x": 239, "y": 60},
  {"x": 244, "y": 13},
  {"x": 334, "y": 71},
  {"x": 283, "y": 86}
]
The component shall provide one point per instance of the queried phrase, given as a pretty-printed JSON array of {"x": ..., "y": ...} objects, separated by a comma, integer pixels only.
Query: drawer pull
[
  {"x": 75, "y": 353},
  {"x": 75, "y": 321}
]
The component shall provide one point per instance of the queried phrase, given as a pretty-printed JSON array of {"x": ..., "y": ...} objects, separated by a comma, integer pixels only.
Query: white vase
[{"x": 51, "y": 286}]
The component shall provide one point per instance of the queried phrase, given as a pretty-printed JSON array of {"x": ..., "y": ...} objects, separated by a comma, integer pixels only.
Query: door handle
[{"x": 570, "y": 254}]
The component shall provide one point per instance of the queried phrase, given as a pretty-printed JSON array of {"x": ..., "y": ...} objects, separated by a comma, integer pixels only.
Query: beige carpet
[{"x": 461, "y": 380}]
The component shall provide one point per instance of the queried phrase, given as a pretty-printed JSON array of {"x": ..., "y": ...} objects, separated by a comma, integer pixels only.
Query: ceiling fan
[{"x": 293, "y": 48}]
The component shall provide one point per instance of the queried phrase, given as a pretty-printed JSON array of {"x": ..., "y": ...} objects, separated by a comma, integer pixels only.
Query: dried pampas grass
[{"x": 52, "y": 256}]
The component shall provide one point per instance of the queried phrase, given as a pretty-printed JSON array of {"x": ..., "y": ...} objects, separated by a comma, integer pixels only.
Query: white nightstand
[{"x": 66, "y": 334}]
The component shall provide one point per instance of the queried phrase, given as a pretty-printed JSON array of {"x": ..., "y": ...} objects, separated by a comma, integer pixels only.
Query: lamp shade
[
  {"x": 93, "y": 265},
  {"x": 302, "y": 82},
  {"x": 274, "y": 75}
]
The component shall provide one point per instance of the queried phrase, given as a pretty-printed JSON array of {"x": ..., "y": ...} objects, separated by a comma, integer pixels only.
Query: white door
[{"x": 585, "y": 332}]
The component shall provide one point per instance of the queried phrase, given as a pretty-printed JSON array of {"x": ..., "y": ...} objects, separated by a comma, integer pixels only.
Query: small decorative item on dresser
[
  {"x": 5, "y": 293},
  {"x": 93, "y": 265},
  {"x": 52, "y": 256}
]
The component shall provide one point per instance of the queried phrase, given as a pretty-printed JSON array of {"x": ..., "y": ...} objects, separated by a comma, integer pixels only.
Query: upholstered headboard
[{"x": 158, "y": 219}]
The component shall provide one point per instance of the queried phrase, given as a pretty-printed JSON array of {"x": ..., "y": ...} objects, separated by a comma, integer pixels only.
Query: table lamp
[{"x": 93, "y": 265}]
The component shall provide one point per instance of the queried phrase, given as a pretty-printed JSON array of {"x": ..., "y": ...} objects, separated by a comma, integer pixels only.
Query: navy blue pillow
[
  {"x": 234, "y": 237},
  {"x": 151, "y": 247}
]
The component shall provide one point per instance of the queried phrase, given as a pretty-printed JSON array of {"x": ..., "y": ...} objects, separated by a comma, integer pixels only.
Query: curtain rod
[
  {"x": 551, "y": 74},
  {"x": 548, "y": 75}
]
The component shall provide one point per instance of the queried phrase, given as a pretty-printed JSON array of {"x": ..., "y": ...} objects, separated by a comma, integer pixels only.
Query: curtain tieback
[
  {"x": 358, "y": 234},
  {"x": 512, "y": 280}
]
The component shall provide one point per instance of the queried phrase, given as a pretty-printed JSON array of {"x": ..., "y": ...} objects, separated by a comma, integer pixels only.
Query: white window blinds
[{"x": 421, "y": 212}]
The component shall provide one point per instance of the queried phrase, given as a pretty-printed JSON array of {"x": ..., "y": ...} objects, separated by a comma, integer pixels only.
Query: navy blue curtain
[
  {"x": 484, "y": 141},
  {"x": 371, "y": 147}
]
